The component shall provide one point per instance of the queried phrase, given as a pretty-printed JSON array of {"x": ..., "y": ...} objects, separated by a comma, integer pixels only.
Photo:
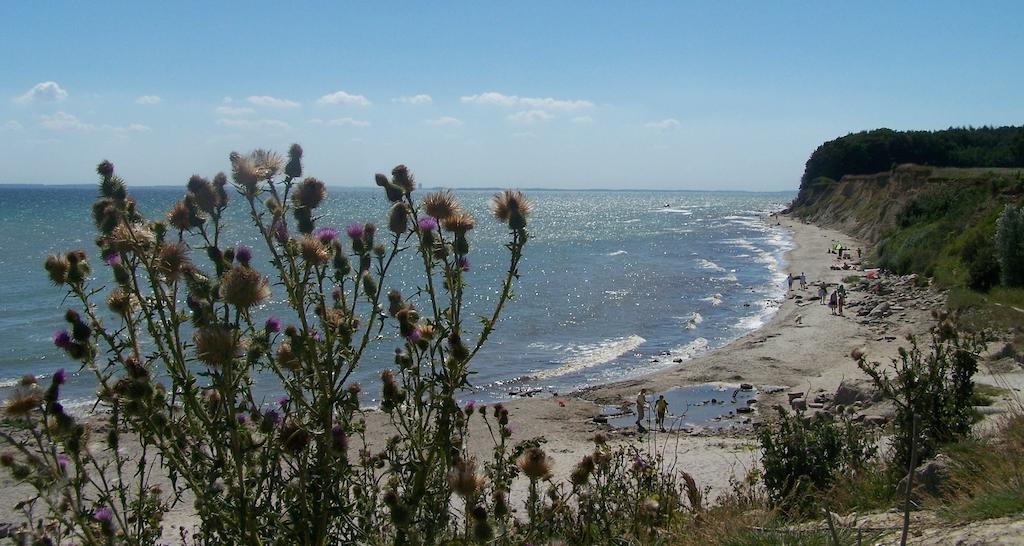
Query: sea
[{"x": 613, "y": 284}]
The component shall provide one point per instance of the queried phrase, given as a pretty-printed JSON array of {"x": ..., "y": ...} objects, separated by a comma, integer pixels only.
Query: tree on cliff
[{"x": 1010, "y": 245}]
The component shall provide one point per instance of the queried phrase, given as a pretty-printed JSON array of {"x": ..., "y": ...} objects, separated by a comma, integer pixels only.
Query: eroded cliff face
[{"x": 865, "y": 206}]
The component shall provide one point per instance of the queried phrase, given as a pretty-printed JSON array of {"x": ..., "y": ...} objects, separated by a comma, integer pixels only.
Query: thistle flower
[
  {"x": 415, "y": 335},
  {"x": 60, "y": 376},
  {"x": 283, "y": 401},
  {"x": 216, "y": 345},
  {"x": 203, "y": 194},
  {"x": 403, "y": 178},
  {"x": 243, "y": 254},
  {"x": 459, "y": 223},
  {"x": 441, "y": 205},
  {"x": 294, "y": 166},
  {"x": 463, "y": 263},
  {"x": 273, "y": 324},
  {"x": 173, "y": 260},
  {"x": 287, "y": 359},
  {"x": 265, "y": 163},
  {"x": 511, "y": 207},
  {"x": 339, "y": 440},
  {"x": 22, "y": 403},
  {"x": 354, "y": 230},
  {"x": 103, "y": 515},
  {"x": 393, "y": 192},
  {"x": 220, "y": 180},
  {"x": 369, "y": 284},
  {"x": 325, "y": 234},
  {"x": 280, "y": 230},
  {"x": 581, "y": 473},
  {"x": 398, "y": 218},
  {"x": 462, "y": 478},
  {"x": 62, "y": 339},
  {"x": 62, "y": 462},
  {"x": 244, "y": 287},
  {"x": 244, "y": 174},
  {"x": 309, "y": 193},
  {"x": 105, "y": 169},
  {"x": 469, "y": 407},
  {"x": 57, "y": 268},
  {"x": 120, "y": 302},
  {"x": 426, "y": 224},
  {"x": 112, "y": 259},
  {"x": 241, "y": 418},
  {"x": 395, "y": 302},
  {"x": 313, "y": 251},
  {"x": 535, "y": 464}
]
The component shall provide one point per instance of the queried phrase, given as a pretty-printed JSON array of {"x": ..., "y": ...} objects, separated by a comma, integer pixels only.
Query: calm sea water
[{"x": 613, "y": 284}]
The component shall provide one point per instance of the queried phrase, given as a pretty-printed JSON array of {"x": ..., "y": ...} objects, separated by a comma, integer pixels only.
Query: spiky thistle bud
[
  {"x": 216, "y": 345},
  {"x": 398, "y": 218},
  {"x": 395, "y": 302},
  {"x": 57, "y": 268},
  {"x": 313, "y": 251},
  {"x": 294, "y": 166},
  {"x": 535, "y": 464},
  {"x": 203, "y": 193},
  {"x": 309, "y": 193},
  {"x": 244, "y": 174},
  {"x": 369, "y": 284},
  {"x": 403, "y": 178},
  {"x": 393, "y": 192},
  {"x": 244, "y": 287},
  {"x": 512, "y": 208}
]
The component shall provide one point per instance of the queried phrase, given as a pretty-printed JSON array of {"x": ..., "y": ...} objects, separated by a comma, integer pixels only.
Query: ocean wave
[
  {"x": 708, "y": 264},
  {"x": 631, "y": 221},
  {"x": 715, "y": 299},
  {"x": 731, "y": 277},
  {"x": 691, "y": 349},
  {"x": 694, "y": 321},
  {"x": 583, "y": 357},
  {"x": 617, "y": 253},
  {"x": 684, "y": 212}
]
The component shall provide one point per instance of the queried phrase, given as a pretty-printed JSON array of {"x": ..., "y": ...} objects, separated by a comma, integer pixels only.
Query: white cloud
[
  {"x": 530, "y": 116},
  {"x": 234, "y": 110},
  {"x": 415, "y": 99},
  {"x": 499, "y": 99},
  {"x": 445, "y": 121},
  {"x": 665, "y": 124},
  {"x": 43, "y": 92},
  {"x": 341, "y": 122},
  {"x": 148, "y": 99},
  {"x": 12, "y": 125},
  {"x": 63, "y": 121},
  {"x": 272, "y": 102},
  {"x": 254, "y": 124},
  {"x": 583, "y": 119},
  {"x": 341, "y": 97}
]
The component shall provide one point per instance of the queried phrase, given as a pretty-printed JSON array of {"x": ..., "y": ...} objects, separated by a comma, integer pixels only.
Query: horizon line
[{"x": 15, "y": 185}]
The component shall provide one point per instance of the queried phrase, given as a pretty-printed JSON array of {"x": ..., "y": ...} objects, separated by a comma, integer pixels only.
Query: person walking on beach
[
  {"x": 822, "y": 293},
  {"x": 789, "y": 280},
  {"x": 660, "y": 408},
  {"x": 833, "y": 300},
  {"x": 858, "y": 253},
  {"x": 641, "y": 407},
  {"x": 803, "y": 281},
  {"x": 841, "y": 299}
]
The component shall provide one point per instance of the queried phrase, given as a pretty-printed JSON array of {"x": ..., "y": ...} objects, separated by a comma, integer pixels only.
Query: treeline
[{"x": 869, "y": 152}]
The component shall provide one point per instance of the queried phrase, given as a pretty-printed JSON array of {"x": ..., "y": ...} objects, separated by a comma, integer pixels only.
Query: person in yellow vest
[{"x": 660, "y": 409}]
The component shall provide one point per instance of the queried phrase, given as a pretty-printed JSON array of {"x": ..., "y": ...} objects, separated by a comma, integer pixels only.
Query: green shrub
[
  {"x": 938, "y": 387},
  {"x": 1010, "y": 246},
  {"x": 803, "y": 456}
]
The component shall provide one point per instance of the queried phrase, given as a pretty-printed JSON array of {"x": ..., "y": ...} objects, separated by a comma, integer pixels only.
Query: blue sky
[{"x": 673, "y": 95}]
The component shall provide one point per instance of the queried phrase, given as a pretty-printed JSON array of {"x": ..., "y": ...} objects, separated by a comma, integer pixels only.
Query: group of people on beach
[
  {"x": 660, "y": 410},
  {"x": 836, "y": 301}
]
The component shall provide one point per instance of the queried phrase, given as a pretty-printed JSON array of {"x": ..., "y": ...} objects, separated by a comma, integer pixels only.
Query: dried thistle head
[
  {"x": 462, "y": 478},
  {"x": 120, "y": 302},
  {"x": 57, "y": 268},
  {"x": 265, "y": 163},
  {"x": 180, "y": 217},
  {"x": 294, "y": 166},
  {"x": 441, "y": 204},
  {"x": 398, "y": 218},
  {"x": 581, "y": 473},
  {"x": 287, "y": 358},
  {"x": 403, "y": 178},
  {"x": 313, "y": 251},
  {"x": 244, "y": 174},
  {"x": 216, "y": 345},
  {"x": 511, "y": 207},
  {"x": 459, "y": 223},
  {"x": 244, "y": 287},
  {"x": 173, "y": 261},
  {"x": 203, "y": 194},
  {"x": 535, "y": 464},
  {"x": 309, "y": 193}
]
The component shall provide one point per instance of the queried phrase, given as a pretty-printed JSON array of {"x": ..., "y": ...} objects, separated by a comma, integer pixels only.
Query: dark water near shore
[{"x": 611, "y": 281}]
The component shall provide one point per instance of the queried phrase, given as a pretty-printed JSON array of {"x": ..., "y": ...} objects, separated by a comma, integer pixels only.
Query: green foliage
[
  {"x": 978, "y": 253},
  {"x": 938, "y": 387},
  {"x": 1009, "y": 243},
  {"x": 879, "y": 150},
  {"x": 987, "y": 474},
  {"x": 803, "y": 457}
]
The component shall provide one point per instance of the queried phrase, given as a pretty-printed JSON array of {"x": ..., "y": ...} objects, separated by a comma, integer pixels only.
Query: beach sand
[{"x": 803, "y": 347}]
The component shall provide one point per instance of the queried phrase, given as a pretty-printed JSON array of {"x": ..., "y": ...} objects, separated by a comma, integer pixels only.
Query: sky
[{"x": 727, "y": 95}]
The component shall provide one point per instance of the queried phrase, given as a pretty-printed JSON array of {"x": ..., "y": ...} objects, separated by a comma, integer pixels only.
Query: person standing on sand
[
  {"x": 641, "y": 407},
  {"x": 822, "y": 293},
  {"x": 660, "y": 408},
  {"x": 789, "y": 280},
  {"x": 803, "y": 281},
  {"x": 858, "y": 253},
  {"x": 841, "y": 291},
  {"x": 833, "y": 300}
]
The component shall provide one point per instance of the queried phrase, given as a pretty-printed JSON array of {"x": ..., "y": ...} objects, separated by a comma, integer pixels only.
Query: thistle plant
[{"x": 184, "y": 335}]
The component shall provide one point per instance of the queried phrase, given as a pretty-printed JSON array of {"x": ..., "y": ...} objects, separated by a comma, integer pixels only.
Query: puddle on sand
[{"x": 707, "y": 406}]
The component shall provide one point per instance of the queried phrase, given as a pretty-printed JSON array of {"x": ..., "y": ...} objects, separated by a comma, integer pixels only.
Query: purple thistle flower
[
  {"x": 62, "y": 461},
  {"x": 273, "y": 324},
  {"x": 273, "y": 416},
  {"x": 507, "y": 431},
  {"x": 463, "y": 263},
  {"x": 325, "y": 234},
  {"x": 62, "y": 339},
  {"x": 243, "y": 254},
  {"x": 471, "y": 404},
  {"x": 60, "y": 376},
  {"x": 283, "y": 401},
  {"x": 112, "y": 259},
  {"x": 427, "y": 223},
  {"x": 104, "y": 514},
  {"x": 316, "y": 336},
  {"x": 280, "y": 230},
  {"x": 415, "y": 335},
  {"x": 355, "y": 231},
  {"x": 241, "y": 418}
]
